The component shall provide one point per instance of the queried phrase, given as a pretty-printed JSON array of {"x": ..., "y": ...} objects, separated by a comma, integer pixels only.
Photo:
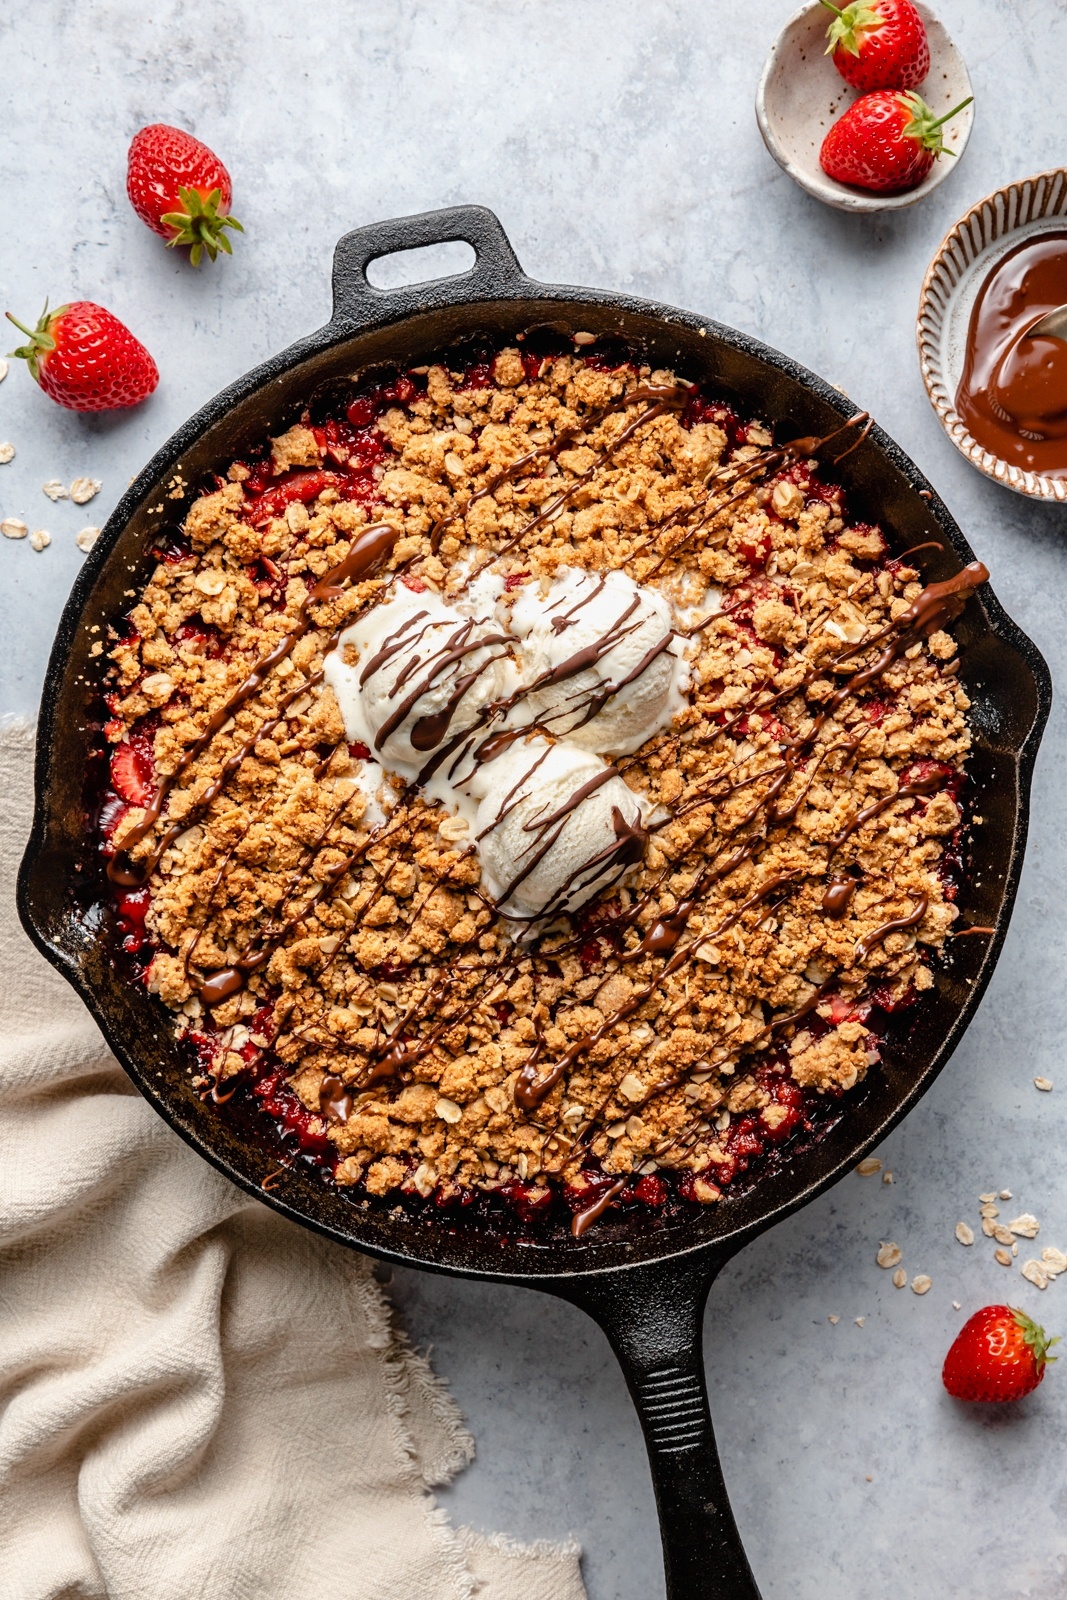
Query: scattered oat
[
  {"x": 40, "y": 539},
  {"x": 1002, "y": 1234},
  {"x": 7, "y": 453},
  {"x": 1054, "y": 1261},
  {"x": 1003, "y": 1256},
  {"x": 1044, "y": 1084},
  {"x": 922, "y": 1284},
  {"x": 448, "y": 1111},
  {"x": 869, "y": 1166},
  {"x": 889, "y": 1255},
  {"x": 1026, "y": 1226},
  {"x": 86, "y": 539},
  {"x": 988, "y": 1209},
  {"x": 887, "y": 1177},
  {"x": 834, "y": 1320},
  {"x": 987, "y": 1227},
  {"x": 82, "y": 490},
  {"x": 1034, "y": 1272},
  {"x": 956, "y": 1306},
  {"x": 964, "y": 1234},
  {"x": 987, "y": 1199},
  {"x": 900, "y": 1278},
  {"x": 1005, "y": 1194},
  {"x": 859, "y": 1321},
  {"x": 13, "y": 528},
  {"x": 54, "y": 489}
]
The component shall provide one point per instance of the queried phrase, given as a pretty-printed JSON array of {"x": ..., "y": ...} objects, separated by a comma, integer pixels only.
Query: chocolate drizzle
[
  {"x": 898, "y": 925},
  {"x": 838, "y": 897},
  {"x": 937, "y": 604},
  {"x": 335, "y": 1101},
  {"x": 369, "y": 551},
  {"x": 656, "y": 397},
  {"x": 394, "y": 1056}
]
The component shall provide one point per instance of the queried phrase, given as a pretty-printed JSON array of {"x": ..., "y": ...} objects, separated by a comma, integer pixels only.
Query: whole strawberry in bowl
[
  {"x": 878, "y": 45},
  {"x": 804, "y": 91},
  {"x": 887, "y": 141},
  {"x": 178, "y": 186},
  {"x": 85, "y": 359}
]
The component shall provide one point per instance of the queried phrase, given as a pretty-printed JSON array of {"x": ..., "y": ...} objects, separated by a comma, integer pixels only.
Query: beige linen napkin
[{"x": 198, "y": 1399}]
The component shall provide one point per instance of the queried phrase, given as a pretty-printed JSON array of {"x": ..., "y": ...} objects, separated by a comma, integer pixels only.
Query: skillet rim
[{"x": 543, "y": 1266}]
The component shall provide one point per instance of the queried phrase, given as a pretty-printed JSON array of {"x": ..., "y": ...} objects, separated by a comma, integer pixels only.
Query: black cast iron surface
[{"x": 645, "y": 1282}]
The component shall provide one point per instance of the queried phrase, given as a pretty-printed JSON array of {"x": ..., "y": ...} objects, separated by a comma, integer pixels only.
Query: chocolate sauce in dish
[{"x": 1013, "y": 392}]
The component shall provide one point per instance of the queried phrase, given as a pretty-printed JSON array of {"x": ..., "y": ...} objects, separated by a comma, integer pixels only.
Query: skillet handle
[
  {"x": 653, "y": 1317},
  {"x": 496, "y": 271}
]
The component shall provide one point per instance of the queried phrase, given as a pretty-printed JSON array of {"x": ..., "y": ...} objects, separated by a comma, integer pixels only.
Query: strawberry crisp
[{"x": 530, "y": 791}]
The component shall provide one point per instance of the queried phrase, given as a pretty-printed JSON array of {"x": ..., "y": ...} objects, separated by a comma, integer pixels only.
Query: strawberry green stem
[
  {"x": 851, "y": 27},
  {"x": 200, "y": 226},
  {"x": 1035, "y": 1336},
  {"x": 954, "y": 112},
  {"x": 924, "y": 127},
  {"x": 41, "y": 340}
]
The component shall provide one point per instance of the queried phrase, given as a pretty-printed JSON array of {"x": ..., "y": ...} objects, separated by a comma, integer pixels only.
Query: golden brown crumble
[{"x": 406, "y": 922}]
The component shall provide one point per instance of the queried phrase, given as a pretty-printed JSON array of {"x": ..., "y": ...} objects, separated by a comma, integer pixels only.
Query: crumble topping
[{"x": 795, "y": 833}]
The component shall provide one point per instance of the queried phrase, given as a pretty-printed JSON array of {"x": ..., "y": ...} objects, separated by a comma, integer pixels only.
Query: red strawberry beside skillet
[
  {"x": 999, "y": 1354},
  {"x": 86, "y": 359},
  {"x": 180, "y": 188},
  {"x": 886, "y": 141},
  {"x": 880, "y": 45}
]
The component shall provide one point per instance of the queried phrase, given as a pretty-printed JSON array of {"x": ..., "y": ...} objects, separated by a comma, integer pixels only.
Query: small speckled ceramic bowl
[
  {"x": 966, "y": 255},
  {"x": 801, "y": 93}
]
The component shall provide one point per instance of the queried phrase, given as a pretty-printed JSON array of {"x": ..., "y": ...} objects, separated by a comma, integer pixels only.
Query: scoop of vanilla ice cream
[
  {"x": 554, "y": 826},
  {"x": 602, "y": 666},
  {"x": 413, "y": 674}
]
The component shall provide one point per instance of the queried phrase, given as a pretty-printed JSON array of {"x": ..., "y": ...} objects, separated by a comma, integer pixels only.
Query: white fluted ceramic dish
[
  {"x": 968, "y": 252},
  {"x": 801, "y": 93}
]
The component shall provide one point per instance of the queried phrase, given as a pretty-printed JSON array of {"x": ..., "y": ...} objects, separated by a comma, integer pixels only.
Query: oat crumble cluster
[{"x": 797, "y": 834}]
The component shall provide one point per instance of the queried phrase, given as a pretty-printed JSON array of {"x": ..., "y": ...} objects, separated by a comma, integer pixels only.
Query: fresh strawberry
[
  {"x": 886, "y": 141},
  {"x": 999, "y": 1354},
  {"x": 882, "y": 45},
  {"x": 181, "y": 189},
  {"x": 86, "y": 359},
  {"x": 133, "y": 772}
]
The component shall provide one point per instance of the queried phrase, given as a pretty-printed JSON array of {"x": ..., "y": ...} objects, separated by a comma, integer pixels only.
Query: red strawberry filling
[{"x": 133, "y": 770}]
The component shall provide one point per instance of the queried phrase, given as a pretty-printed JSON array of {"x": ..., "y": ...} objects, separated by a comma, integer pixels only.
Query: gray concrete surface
[{"x": 617, "y": 142}]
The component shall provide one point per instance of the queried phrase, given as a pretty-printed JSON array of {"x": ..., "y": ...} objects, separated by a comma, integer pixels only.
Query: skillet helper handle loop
[
  {"x": 496, "y": 271},
  {"x": 653, "y": 1317}
]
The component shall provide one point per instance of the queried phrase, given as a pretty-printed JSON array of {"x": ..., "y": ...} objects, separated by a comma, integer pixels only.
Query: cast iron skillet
[{"x": 644, "y": 1283}]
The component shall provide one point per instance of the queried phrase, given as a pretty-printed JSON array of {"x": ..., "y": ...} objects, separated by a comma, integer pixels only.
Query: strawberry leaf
[
  {"x": 924, "y": 126},
  {"x": 850, "y": 27},
  {"x": 41, "y": 339},
  {"x": 200, "y": 226},
  {"x": 1035, "y": 1337}
]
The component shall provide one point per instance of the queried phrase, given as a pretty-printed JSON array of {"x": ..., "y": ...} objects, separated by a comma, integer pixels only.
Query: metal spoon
[{"x": 1053, "y": 325}]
